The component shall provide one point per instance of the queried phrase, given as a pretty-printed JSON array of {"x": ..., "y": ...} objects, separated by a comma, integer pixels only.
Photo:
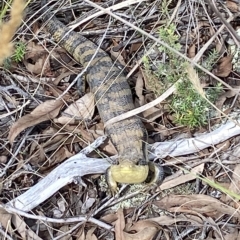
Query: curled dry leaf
[
  {"x": 224, "y": 68},
  {"x": 45, "y": 111},
  {"x": 83, "y": 109}
]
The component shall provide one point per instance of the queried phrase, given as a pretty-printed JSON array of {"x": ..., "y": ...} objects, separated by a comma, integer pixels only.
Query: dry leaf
[
  {"x": 23, "y": 229},
  {"x": 196, "y": 204},
  {"x": 224, "y": 68},
  {"x": 135, "y": 47},
  {"x": 83, "y": 109},
  {"x": 110, "y": 218},
  {"x": 87, "y": 205},
  {"x": 81, "y": 234},
  {"x": 149, "y": 114},
  {"x": 192, "y": 51},
  {"x": 144, "y": 234},
  {"x": 222, "y": 98},
  {"x": 119, "y": 225},
  {"x": 235, "y": 182},
  {"x": 45, "y": 111},
  {"x": 60, "y": 155},
  {"x": 5, "y": 219},
  {"x": 232, "y": 6},
  {"x": 145, "y": 230},
  {"x": 139, "y": 89},
  {"x": 90, "y": 235},
  {"x": 183, "y": 178},
  {"x": 64, "y": 229}
]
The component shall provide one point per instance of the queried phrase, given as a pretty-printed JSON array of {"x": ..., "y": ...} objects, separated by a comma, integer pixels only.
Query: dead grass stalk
[{"x": 9, "y": 28}]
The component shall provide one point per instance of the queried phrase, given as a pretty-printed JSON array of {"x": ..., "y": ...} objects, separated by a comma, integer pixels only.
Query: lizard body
[{"x": 113, "y": 97}]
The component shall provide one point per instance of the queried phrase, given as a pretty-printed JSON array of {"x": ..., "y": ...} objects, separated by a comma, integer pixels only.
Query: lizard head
[{"x": 126, "y": 172}]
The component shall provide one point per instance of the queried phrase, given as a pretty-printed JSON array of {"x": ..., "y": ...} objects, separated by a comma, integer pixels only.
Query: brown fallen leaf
[
  {"x": 222, "y": 98},
  {"x": 192, "y": 51},
  {"x": 83, "y": 109},
  {"x": 139, "y": 89},
  {"x": 60, "y": 155},
  {"x": 109, "y": 218},
  {"x": 145, "y": 234},
  {"x": 183, "y": 178},
  {"x": 145, "y": 230},
  {"x": 235, "y": 182},
  {"x": 5, "y": 219},
  {"x": 232, "y": 6},
  {"x": 45, "y": 111},
  {"x": 135, "y": 47},
  {"x": 90, "y": 235},
  {"x": 197, "y": 204},
  {"x": 64, "y": 229},
  {"x": 80, "y": 235},
  {"x": 119, "y": 226},
  {"x": 23, "y": 229},
  {"x": 149, "y": 114},
  {"x": 224, "y": 68}
]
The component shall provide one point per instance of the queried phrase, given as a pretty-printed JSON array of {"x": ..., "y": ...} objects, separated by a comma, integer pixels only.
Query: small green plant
[
  {"x": 189, "y": 108},
  {"x": 20, "y": 50},
  {"x": 210, "y": 60},
  {"x": 18, "y": 55}
]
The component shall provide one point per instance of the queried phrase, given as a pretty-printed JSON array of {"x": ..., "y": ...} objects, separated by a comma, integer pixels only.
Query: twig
[
  {"x": 136, "y": 111},
  {"x": 14, "y": 111},
  {"x": 108, "y": 11},
  {"x": 4, "y": 234},
  {"x": 208, "y": 43},
  {"x": 227, "y": 25},
  {"x": 12, "y": 159},
  {"x": 101, "y": 12},
  {"x": 11, "y": 209},
  {"x": 80, "y": 165}
]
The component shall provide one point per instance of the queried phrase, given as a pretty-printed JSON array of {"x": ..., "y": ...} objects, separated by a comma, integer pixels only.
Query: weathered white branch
[
  {"x": 80, "y": 165},
  {"x": 68, "y": 172},
  {"x": 193, "y": 145}
]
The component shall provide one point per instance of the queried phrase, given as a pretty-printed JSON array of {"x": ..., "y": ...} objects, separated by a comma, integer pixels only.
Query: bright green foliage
[{"x": 187, "y": 105}]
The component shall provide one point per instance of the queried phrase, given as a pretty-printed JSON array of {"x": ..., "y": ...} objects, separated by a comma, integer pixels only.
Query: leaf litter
[{"x": 200, "y": 195}]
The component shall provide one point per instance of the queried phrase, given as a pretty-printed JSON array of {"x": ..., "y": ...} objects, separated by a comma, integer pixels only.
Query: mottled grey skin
[{"x": 111, "y": 90}]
